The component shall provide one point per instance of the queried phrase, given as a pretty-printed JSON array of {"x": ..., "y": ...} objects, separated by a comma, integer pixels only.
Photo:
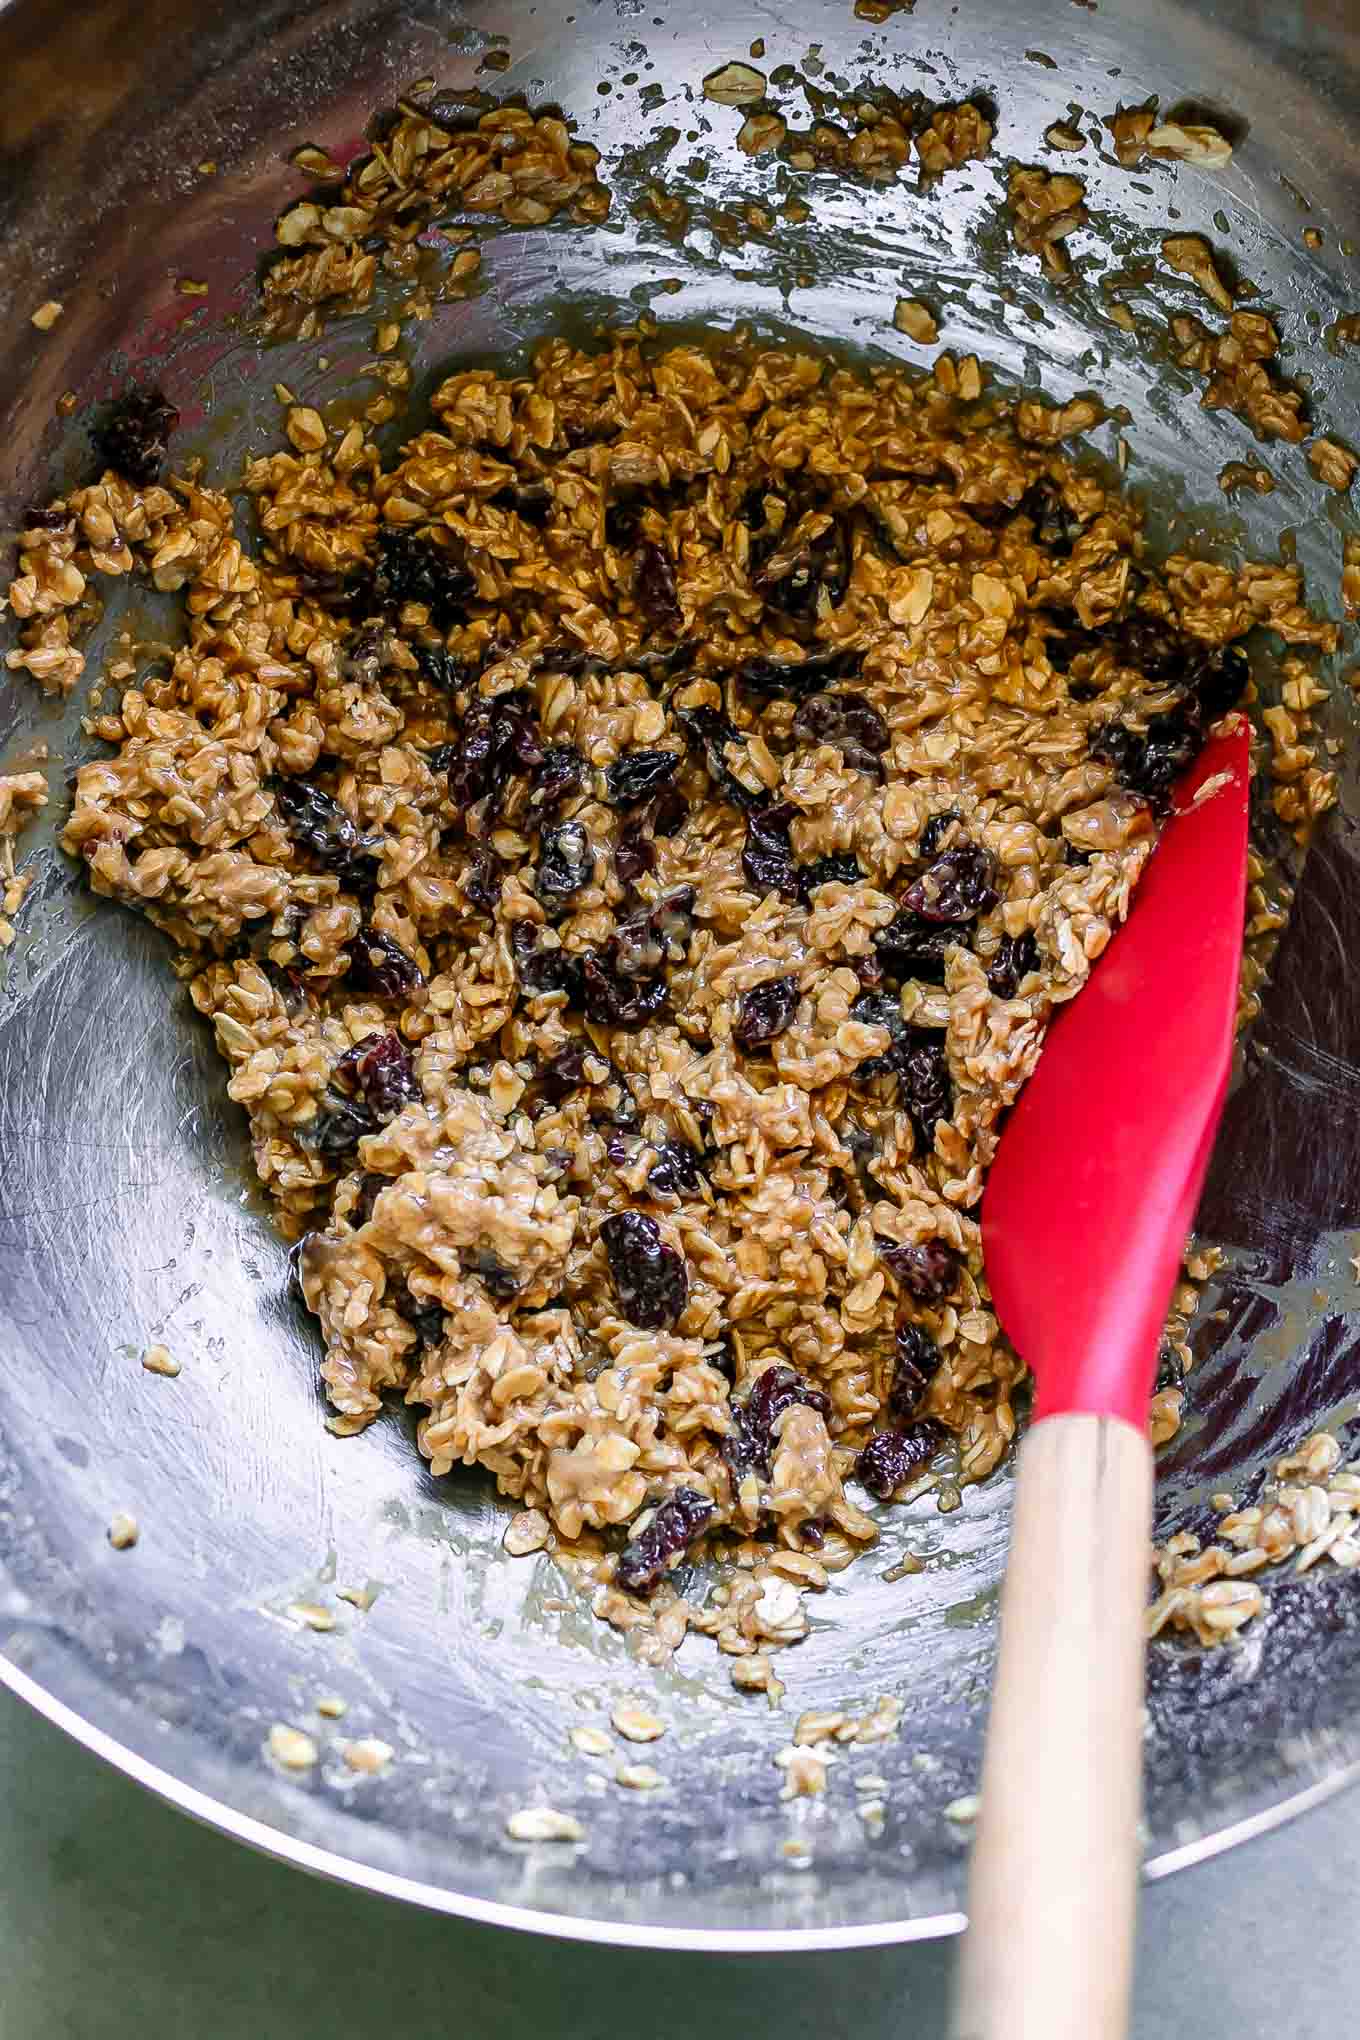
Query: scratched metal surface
[{"x": 125, "y": 1211}]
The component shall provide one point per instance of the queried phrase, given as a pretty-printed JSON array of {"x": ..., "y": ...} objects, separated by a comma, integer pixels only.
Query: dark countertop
[{"x": 120, "y": 1917}]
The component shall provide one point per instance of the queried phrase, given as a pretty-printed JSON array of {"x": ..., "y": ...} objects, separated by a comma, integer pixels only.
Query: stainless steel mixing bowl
[{"x": 125, "y": 1208}]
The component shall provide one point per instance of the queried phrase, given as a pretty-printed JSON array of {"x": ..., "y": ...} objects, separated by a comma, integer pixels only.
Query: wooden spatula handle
[{"x": 1053, "y": 1886}]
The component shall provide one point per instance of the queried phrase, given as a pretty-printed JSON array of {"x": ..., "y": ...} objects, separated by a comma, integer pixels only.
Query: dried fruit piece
[
  {"x": 926, "y": 1269},
  {"x": 338, "y": 1125},
  {"x": 842, "y": 867},
  {"x": 380, "y": 965},
  {"x": 133, "y": 436},
  {"x": 767, "y": 854},
  {"x": 610, "y": 998},
  {"x": 654, "y": 588},
  {"x": 916, "y": 1361},
  {"x": 808, "y": 581},
  {"x": 483, "y": 880},
  {"x": 318, "y": 823},
  {"x": 425, "y": 1315},
  {"x": 566, "y": 863},
  {"x": 559, "y": 772},
  {"x": 380, "y": 1070},
  {"x": 423, "y": 570},
  {"x": 650, "y": 1278},
  {"x": 712, "y": 734},
  {"x": 792, "y": 679},
  {"x": 671, "y": 1529},
  {"x": 1016, "y": 956},
  {"x": 675, "y": 1172},
  {"x": 545, "y": 968},
  {"x": 916, "y": 1056},
  {"x": 1056, "y": 528},
  {"x": 910, "y": 947},
  {"x": 892, "y": 1457},
  {"x": 442, "y": 669},
  {"x": 765, "y": 1012},
  {"x": 958, "y": 886},
  {"x": 637, "y": 775},
  {"x": 849, "y": 722},
  {"x": 749, "y": 1444}
]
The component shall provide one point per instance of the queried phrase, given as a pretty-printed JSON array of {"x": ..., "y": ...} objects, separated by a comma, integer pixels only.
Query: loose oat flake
[
  {"x": 543, "y": 1824},
  {"x": 292, "y": 1748}
]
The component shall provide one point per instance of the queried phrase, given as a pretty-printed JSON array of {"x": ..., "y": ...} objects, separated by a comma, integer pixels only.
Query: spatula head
[{"x": 1095, "y": 1182}]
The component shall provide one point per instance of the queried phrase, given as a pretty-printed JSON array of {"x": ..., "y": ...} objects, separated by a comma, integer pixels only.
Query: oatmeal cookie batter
[{"x": 629, "y": 851}]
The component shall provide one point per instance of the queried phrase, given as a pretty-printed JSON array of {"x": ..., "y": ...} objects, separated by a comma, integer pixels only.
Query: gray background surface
[{"x": 121, "y": 1917}]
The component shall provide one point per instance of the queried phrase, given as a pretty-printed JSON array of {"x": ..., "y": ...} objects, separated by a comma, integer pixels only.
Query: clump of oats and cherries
[{"x": 629, "y": 849}]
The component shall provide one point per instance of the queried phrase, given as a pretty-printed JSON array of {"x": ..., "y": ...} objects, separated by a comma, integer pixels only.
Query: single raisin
[
  {"x": 370, "y": 1186},
  {"x": 957, "y": 886},
  {"x": 793, "y": 679},
  {"x": 712, "y": 734},
  {"x": 442, "y": 669},
  {"x": 531, "y": 501},
  {"x": 483, "y": 878},
  {"x": 566, "y": 862},
  {"x": 849, "y": 722},
  {"x": 1148, "y": 763},
  {"x": 634, "y": 854},
  {"x": 915, "y": 1056},
  {"x": 880, "y": 1009},
  {"x": 316, "y": 822},
  {"x": 1016, "y": 956},
  {"x": 671, "y": 1529},
  {"x": 1219, "y": 681},
  {"x": 891, "y": 1457},
  {"x": 936, "y": 831},
  {"x": 820, "y": 568},
  {"x": 916, "y": 1361},
  {"x": 911, "y": 947},
  {"x": 380, "y": 966},
  {"x": 1153, "y": 648},
  {"x": 545, "y": 969},
  {"x": 675, "y": 1172},
  {"x": 767, "y": 854},
  {"x": 654, "y": 588},
  {"x": 842, "y": 867},
  {"x": 765, "y": 1012},
  {"x": 608, "y": 998},
  {"x": 927, "y": 1270},
  {"x": 563, "y": 1073},
  {"x": 749, "y": 1444},
  {"x": 338, "y": 1125},
  {"x": 623, "y": 521},
  {"x": 654, "y": 936},
  {"x": 650, "y": 1278},
  {"x": 133, "y": 436},
  {"x": 559, "y": 772},
  {"x": 379, "y": 1068},
  {"x": 424, "y": 570},
  {"x": 637, "y": 775},
  {"x": 923, "y": 1079}
]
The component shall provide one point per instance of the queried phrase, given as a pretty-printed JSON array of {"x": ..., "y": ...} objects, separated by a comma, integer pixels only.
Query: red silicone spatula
[{"x": 1084, "y": 1221}]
